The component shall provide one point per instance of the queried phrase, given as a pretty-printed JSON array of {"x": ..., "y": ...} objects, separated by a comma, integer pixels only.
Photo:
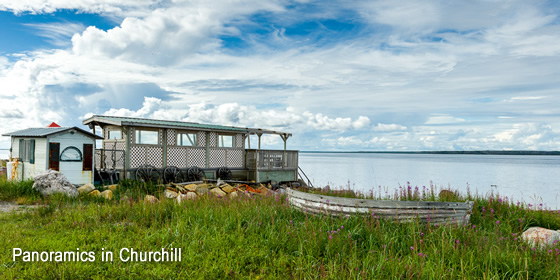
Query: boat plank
[
  {"x": 401, "y": 211},
  {"x": 374, "y": 203}
]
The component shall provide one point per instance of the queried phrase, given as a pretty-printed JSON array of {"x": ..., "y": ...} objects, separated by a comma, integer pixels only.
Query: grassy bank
[{"x": 262, "y": 237}]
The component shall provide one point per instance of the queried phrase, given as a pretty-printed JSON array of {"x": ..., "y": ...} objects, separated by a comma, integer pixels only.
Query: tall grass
[
  {"x": 262, "y": 237},
  {"x": 12, "y": 190}
]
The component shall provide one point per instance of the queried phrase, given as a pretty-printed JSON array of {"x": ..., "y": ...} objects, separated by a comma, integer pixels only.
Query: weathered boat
[{"x": 433, "y": 212}]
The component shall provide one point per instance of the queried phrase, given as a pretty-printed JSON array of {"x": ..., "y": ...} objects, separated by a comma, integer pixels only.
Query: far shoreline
[{"x": 488, "y": 152}]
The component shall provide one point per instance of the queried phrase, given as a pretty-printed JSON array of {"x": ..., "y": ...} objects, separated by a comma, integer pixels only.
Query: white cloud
[
  {"x": 522, "y": 98},
  {"x": 322, "y": 122},
  {"x": 435, "y": 76},
  {"x": 361, "y": 123},
  {"x": 99, "y": 6},
  {"x": 382, "y": 127},
  {"x": 168, "y": 35},
  {"x": 443, "y": 119},
  {"x": 57, "y": 33}
]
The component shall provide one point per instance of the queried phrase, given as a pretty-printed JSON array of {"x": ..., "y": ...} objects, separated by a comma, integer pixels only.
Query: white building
[{"x": 69, "y": 150}]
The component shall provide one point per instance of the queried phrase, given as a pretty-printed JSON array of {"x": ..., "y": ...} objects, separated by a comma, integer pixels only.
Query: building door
[{"x": 54, "y": 155}]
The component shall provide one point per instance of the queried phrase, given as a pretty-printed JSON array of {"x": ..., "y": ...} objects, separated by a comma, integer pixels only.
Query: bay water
[{"x": 525, "y": 178}]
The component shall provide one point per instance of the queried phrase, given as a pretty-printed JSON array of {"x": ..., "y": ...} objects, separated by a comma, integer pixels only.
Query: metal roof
[
  {"x": 124, "y": 121},
  {"x": 46, "y": 131}
]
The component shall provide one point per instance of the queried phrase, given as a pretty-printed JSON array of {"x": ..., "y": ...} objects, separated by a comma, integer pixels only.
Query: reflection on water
[{"x": 532, "y": 179}]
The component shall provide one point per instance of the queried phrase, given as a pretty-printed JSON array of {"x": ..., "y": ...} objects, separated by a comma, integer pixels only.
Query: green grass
[
  {"x": 12, "y": 191},
  {"x": 263, "y": 238}
]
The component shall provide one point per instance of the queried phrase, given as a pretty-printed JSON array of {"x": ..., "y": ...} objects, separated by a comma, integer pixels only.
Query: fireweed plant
[{"x": 261, "y": 236}]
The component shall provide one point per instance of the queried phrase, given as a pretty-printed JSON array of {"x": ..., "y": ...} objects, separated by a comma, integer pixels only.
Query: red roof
[{"x": 53, "y": 124}]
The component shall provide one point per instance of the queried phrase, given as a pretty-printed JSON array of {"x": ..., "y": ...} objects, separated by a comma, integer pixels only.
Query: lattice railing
[
  {"x": 109, "y": 159},
  {"x": 271, "y": 159}
]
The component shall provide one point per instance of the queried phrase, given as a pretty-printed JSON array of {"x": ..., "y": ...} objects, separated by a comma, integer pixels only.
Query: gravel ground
[{"x": 8, "y": 207}]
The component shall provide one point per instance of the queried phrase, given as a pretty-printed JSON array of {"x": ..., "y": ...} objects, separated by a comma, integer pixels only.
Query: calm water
[{"x": 531, "y": 179}]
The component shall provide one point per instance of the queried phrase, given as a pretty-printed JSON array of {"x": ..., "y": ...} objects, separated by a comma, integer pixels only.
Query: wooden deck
[{"x": 432, "y": 212}]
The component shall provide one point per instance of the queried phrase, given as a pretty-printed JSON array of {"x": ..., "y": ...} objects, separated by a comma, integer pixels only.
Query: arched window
[{"x": 71, "y": 154}]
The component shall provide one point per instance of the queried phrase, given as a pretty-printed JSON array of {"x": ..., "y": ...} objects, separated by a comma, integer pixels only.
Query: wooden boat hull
[{"x": 433, "y": 212}]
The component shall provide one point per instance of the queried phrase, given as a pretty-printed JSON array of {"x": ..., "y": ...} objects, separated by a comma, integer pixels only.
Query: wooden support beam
[{"x": 259, "y": 134}]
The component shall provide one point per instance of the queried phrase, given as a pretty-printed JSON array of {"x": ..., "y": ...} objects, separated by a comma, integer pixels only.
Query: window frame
[
  {"x": 27, "y": 150},
  {"x": 180, "y": 140},
  {"x": 138, "y": 132},
  {"x": 220, "y": 141},
  {"x": 114, "y": 130},
  {"x": 70, "y": 148}
]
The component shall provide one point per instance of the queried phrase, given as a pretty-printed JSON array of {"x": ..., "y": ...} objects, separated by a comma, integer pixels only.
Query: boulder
[
  {"x": 150, "y": 199},
  {"x": 218, "y": 192},
  {"x": 170, "y": 194},
  {"x": 227, "y": 188},
  {"x": 94, "y": 193},
  {"x": 113, "y": 188},
  {"x": 188, "y": 196},
  {"x": 54, "y": 182},
  {"x": 181, "y": 197},
  {"x": 107, "y": 194},
  {"x": 233, "y": 195},
  {"x": 191, "y": 187},
  {"x": 201, "y": 191},
  {"x": 86, "y": 188},
  {"x": 538, "y": 236}
]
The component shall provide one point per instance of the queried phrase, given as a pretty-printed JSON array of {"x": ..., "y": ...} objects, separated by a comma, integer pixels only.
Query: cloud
[
  {"x": 57, "y": 33},
  {"x": 168, "y": 35},
  {"x": 443, "y": 119},
  {"x": 382, "y": 127},
  {"x": 322, "y": 71},
  {"x": 322, "y": 122},
  {"x": 86, "y": 6},
  {"x": 523, "y": 98}
]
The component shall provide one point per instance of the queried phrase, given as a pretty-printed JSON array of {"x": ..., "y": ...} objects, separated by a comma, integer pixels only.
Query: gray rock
[{"x": 52, "y": 182}]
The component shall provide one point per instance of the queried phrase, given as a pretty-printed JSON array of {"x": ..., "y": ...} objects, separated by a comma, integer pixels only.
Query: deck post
[
  {"x": 259, "y": 134},
  {"x": 164, "y": 137},
  {"x": 128, "y": 142},
  {"x": 284, "y": 159},
  {"x": 207, "y": 149}
]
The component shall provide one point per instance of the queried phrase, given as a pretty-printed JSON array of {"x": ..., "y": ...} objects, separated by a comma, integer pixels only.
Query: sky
[{"x": 339, "y": 75}]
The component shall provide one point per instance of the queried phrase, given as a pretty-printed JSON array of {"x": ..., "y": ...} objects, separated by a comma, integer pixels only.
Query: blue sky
[{"x": 339, "y": 75}]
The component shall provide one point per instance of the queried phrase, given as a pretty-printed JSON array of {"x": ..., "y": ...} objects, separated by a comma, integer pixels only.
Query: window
[
  {"x": 115, "y": 134},
  {"x": 225, "y": 141},
  {"x": 27, "y": 150},
  {"x": 146, "y": 137},
  {"x": 71, "y": 154},
  {"x": 186, "y": 139}
]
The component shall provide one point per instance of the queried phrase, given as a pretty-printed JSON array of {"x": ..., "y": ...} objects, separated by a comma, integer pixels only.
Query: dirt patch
[{"x": 9, "y": 207}]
